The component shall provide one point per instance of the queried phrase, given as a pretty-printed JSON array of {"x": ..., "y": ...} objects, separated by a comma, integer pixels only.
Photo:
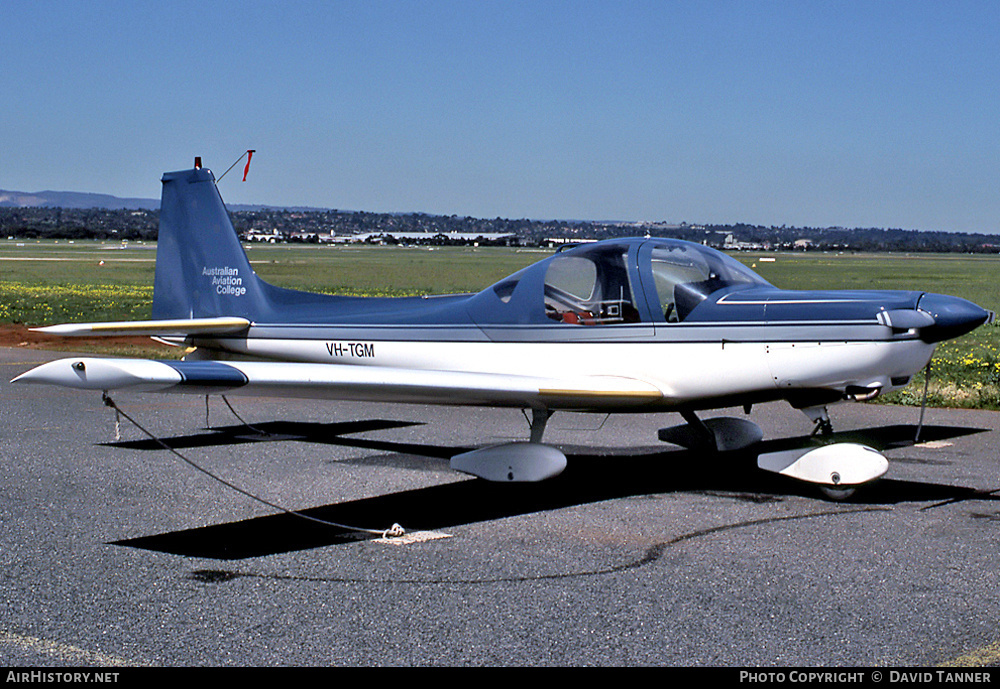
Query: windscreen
[{"x": 685, "y": 274}]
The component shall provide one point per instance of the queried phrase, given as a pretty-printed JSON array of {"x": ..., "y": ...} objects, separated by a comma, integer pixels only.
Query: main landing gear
[
  {"x": 837, "y": 469},
  {"x": 515, "y": 462}
]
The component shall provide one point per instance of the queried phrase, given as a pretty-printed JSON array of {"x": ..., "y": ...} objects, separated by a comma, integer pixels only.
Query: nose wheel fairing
[{"x": 838, "y": 468}]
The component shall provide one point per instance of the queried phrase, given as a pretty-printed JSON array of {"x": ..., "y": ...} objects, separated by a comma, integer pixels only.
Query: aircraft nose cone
[{"x": 952, "y": 317}]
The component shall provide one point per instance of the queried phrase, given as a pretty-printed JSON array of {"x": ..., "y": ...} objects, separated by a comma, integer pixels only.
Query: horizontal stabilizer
[{"x": 166, "y": 328}]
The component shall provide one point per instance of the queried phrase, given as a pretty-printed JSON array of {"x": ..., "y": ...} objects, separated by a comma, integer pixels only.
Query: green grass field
[{"x": 43, "y": 283}]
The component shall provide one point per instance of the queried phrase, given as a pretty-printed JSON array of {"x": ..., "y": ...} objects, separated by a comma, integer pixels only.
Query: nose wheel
[
  {"x": 838, "y": 493},
  {"x": 837, "y": 469}
]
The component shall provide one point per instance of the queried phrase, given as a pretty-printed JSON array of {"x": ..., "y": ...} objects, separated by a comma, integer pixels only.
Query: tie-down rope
[{"x": 394, "y": 531}]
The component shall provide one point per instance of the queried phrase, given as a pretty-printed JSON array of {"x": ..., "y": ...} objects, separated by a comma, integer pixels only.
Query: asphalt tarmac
[{"x": 120, "y": 553}]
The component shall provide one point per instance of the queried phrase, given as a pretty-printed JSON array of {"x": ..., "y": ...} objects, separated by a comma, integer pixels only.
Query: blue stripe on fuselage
[{"x": 208, "y": 374}]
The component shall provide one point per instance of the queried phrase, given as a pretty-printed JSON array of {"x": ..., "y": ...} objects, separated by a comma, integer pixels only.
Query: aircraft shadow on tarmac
[{"x": 589, "y": 477}]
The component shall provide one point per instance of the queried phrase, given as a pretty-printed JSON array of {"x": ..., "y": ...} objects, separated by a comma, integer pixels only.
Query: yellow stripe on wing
[{"x": 650, "y": 394}]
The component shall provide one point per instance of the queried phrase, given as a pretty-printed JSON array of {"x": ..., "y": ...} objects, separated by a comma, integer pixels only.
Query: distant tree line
[
  {"x": 95, "y": 223},
  {"x": 78, "y": 223},
  {"x": 862, "y": 239}
]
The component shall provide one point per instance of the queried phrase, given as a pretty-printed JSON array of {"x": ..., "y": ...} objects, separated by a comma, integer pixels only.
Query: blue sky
[{"x": 883, "y": 114}]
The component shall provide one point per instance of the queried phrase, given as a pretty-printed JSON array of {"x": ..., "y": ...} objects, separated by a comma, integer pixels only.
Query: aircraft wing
[{"x": 343, "y": 382}]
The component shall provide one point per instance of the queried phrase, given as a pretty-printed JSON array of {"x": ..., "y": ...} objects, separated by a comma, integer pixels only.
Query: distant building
[
  {"x": 731, "y": 244},
  {"x": 555, "y": 241},
  {"x": 401, "y": 237},
  {"x": 269, "y": 236}
]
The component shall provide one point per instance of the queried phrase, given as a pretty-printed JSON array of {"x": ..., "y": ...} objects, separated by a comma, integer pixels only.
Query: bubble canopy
[{"x": 622, "y": 282}]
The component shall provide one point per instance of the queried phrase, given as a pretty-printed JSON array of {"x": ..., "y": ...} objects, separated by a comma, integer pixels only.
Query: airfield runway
[{"x": 120, "y": 553}]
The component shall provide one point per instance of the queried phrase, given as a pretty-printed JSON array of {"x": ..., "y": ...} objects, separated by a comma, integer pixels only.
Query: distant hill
[
  {"x": 71, "y": 199},
  {"x": 78, "y": 199}
]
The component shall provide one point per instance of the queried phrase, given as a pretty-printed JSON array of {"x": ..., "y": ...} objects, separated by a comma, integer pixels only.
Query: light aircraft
[{"x": 630, "y": 325}]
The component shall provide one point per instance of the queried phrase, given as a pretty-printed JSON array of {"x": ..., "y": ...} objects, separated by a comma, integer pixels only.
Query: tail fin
[{"x": 201, "y": 268}]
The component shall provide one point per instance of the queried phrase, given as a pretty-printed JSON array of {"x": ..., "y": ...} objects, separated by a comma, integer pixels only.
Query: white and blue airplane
[{"x": 630, "y": 325}]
